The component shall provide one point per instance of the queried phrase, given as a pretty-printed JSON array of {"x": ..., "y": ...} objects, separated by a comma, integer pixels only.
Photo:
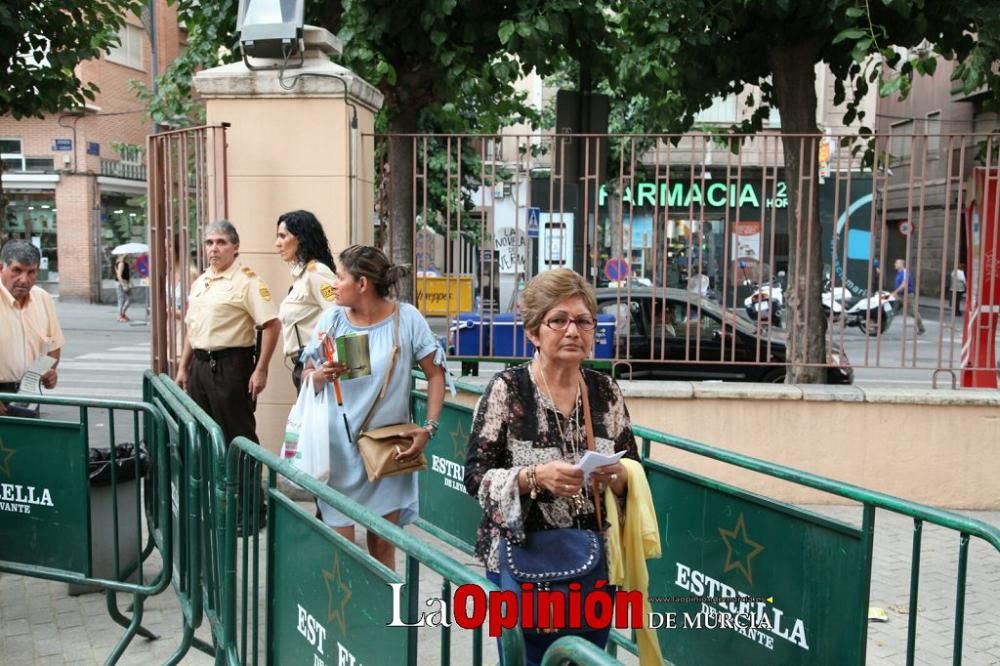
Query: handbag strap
[
  {"x": 392, "y": 365},
  {"x": 589, "y": 428}
]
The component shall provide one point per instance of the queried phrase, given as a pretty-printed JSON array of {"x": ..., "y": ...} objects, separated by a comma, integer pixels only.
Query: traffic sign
[
  {"x": 142, "y": 265},
  {"x": 533, "y": 215},
  {"x": 906, "y": 227},
  {"x": 616, "y": 270}
]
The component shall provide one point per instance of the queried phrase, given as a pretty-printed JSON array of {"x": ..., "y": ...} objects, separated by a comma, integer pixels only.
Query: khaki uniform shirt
[
  {"x": 223, "y": 308},
  {"x": 312, "y": 292},
  {"x": 27, "y": 332}
]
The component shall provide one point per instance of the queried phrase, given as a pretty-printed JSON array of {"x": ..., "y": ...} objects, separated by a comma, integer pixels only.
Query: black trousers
[
  {"x": 220, "y": 386},
  {"x": 219, "y": 383}
]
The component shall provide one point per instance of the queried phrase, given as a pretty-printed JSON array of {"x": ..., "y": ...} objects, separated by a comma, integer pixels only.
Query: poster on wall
[
  {"x": 509, "y": 243},
  {"x": 745, "y": 246},
  {"x": 555, "y": 247}
]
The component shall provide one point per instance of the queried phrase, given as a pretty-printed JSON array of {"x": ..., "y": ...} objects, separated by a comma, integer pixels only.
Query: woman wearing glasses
[{"x": 529, "y": 430}]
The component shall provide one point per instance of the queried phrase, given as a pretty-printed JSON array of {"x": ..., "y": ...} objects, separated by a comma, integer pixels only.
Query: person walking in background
[
  {"x": 905, "y": 292},
  {"x": 301, "y": 242},
  {"x": 123, "y": 286},
  {"x": 366, "y": 282},
  {"x": 219, "y": 367},
  {"x": 958, "y": 287},
  {"x": 29, "y": 327}
]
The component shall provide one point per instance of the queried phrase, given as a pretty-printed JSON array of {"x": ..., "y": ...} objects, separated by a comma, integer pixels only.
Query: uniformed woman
[{"x": 302, "y": 243}]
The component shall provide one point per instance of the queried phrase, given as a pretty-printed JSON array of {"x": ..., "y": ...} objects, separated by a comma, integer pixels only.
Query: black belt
[
  {"x": 219, "y": 354},
  {"x": 9, "y": 387}
]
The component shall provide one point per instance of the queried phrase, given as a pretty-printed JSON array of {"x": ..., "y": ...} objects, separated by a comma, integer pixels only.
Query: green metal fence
[
  {"x": 190, "y": 502},
  {"x": 299, "y": 592},
  {"x": 809, "y": 574},
  {"x": 46, "y": 525},
  {"x": 204, "y": 589},
  {"x": 323, "y": 593}
]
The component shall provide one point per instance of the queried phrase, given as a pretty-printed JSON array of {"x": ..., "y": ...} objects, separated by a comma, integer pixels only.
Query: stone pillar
[
  {"x": 77, "y": 225},
  {"x": 292, "y": 149}
]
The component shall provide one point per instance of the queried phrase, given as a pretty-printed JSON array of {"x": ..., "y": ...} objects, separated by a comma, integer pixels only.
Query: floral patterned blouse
[{"x": 515, "y": 425}]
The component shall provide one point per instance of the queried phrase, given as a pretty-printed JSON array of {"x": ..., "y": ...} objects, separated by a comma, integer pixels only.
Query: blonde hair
[{"x": 546, "y": 290}]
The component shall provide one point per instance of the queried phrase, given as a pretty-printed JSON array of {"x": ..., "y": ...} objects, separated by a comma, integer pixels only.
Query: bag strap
[
  {"x": 589, "y": 428},
  {"x": 392, "y": 366}
]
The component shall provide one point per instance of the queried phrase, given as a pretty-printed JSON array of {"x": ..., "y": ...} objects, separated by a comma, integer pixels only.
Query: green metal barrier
[
  {"x": 211, "y": 519},
  {"x": 325, "y": 596},
  {"x": 576, "y": 650},
  {"x": 815, "y": 600},
  {"x": 188, "y": 500},
  {"x": 809, "y": 543},
  {"x": 45, "y": 514}
]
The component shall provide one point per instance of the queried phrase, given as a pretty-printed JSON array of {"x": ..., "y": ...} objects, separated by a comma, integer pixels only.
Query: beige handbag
[{"x": 378, "y": 447}]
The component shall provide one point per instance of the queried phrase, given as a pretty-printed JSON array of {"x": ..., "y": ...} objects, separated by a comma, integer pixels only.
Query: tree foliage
[
  {"x": 41, "y": 43},
  {"x": 702, "y": 49},
  {"x": 442, "y": 66}
]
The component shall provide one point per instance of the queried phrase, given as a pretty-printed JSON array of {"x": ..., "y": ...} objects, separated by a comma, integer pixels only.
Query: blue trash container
[{"x": 468, "y": 337}]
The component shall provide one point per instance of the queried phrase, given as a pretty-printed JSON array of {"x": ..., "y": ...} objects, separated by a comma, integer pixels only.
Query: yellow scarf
[{"x": 631, "y": 541}]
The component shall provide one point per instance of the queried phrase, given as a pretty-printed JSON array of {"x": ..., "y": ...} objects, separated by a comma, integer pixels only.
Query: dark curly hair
[
  {"x": 309, "y": 232},
  {"x": 370, "y": 262}
]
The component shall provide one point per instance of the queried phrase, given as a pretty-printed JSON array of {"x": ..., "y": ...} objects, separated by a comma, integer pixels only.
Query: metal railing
[
  {"x": 965, "y": 528},
  {"x": 61, "y": 542},
  {"x": 244, "y": 610},
  {"x": 453, "y": 517},
  {"x": 187, "y": 190},
  {"x": 686, "y": 235},
  {"x": 120, "y": 169}
]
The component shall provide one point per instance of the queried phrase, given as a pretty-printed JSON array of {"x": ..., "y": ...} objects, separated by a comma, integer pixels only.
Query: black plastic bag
[{"x": 100, "y": 463}]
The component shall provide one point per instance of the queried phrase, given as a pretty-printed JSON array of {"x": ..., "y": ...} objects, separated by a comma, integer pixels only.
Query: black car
[{"x": 664, "y": 333}]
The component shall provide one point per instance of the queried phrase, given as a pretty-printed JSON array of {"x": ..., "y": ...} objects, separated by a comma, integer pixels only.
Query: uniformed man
[
  {"x": 218, "y": 367},
  {"x": 29, "y": 327}
]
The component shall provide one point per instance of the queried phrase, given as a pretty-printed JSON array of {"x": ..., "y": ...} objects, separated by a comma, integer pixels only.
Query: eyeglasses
[{"x": 561, "y": 323}]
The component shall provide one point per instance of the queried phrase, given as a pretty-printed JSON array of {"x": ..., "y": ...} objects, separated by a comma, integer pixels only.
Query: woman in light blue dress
[{"x": 365, "y": 282}]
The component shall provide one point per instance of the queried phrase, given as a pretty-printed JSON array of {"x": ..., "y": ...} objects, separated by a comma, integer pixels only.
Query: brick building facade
[{"x": 75, "y": 182}]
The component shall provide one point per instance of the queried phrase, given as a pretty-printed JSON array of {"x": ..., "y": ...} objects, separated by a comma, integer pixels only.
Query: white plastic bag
[{"x": 307, "y": 440}]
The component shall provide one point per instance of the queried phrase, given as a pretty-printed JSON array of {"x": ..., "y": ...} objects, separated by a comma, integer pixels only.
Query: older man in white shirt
[{"x": 29, "y": 326}]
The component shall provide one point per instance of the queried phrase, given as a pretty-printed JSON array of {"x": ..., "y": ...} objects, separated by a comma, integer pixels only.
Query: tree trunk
[
  {"x": 401, "y": 212},
  {"x": 795, "y": 92}
]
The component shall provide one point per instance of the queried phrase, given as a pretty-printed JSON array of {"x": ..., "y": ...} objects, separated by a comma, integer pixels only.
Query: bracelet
[
  {"x": 431, "y": 426},
  {"x": 532, "y": 482}
]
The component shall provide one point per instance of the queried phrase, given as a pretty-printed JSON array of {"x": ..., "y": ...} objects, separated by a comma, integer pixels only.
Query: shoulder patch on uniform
[
  {"x": 311, "y": 266},
  {"x": 327, "y": 291},
  {"x": 249, "y": 272},
  {"x": 265, "y": 293}
]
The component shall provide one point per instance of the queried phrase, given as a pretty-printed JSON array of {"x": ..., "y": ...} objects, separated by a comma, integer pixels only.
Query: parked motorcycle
[
  {"x": 766, "y": 303},
  {"x": 872, "y": 315}
]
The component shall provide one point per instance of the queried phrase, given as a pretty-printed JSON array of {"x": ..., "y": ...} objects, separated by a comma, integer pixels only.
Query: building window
[
  {"x": 129, "y": 51},
  {"x": 932, "y": 128},
  {"x": 900, "y": 142},
  {"x": 31, "y": 216},
  {"x": 123, "y": 220},
  {"x": 11, "y": 154},
  {"x": 39, "y": 164},
  {"x": 723, "y": 110}
]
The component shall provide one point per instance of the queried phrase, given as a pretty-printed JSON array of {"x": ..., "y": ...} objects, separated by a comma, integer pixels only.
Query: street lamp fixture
[{"x": 271, "y": 29}]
